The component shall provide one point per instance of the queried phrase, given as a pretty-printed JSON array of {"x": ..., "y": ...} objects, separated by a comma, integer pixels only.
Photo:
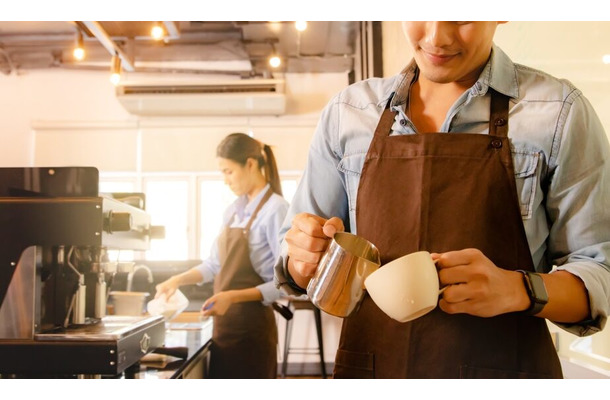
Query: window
[
  {"x": 167, "y": 203},
  {"x": 189, "y": 206},
  {"x": 214, "y": 198}
]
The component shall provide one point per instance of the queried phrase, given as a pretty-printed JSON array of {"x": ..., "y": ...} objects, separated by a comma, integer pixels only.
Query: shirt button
[
  {"x": 403, "y": 122},
  {"x": 496, "y": 143}
]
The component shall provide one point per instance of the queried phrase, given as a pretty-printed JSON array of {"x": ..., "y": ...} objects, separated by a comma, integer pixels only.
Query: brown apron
[
  {"x": 442, "y": 192},
  {"x": 244, "y": 341}
]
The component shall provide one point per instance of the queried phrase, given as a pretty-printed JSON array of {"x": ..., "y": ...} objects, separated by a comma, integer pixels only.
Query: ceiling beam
[{"x": 96, "y": 29}]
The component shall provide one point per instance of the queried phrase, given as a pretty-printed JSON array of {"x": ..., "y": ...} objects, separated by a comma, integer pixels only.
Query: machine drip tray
[
  {"x": 104, "y": 348},
  {"x": 111, "y": 327}
]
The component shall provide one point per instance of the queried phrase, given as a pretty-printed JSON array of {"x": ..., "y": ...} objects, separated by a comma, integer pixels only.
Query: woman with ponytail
[{"x": 244, "y": 342}]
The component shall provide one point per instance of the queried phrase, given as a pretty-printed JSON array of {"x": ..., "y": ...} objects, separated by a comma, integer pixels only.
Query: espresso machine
[{"x": 56, "y": 232}]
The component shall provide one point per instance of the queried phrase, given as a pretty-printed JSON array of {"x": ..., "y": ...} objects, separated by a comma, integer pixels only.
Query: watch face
[{"x": 538, "y": 289}]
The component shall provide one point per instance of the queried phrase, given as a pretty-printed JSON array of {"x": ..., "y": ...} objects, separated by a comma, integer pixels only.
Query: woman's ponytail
[{"x": 271, "y": 171}]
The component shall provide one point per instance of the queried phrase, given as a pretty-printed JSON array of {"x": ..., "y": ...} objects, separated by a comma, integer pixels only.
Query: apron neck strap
[
  {"x": 498, "y": 114},
  {"x": 258, "y": 207}
]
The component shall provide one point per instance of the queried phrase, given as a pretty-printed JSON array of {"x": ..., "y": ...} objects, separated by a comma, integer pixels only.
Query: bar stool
[{"x": 303, "y": 304}]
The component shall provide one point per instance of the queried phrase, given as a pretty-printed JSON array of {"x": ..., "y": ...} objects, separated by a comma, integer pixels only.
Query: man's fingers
[
  {"x": 309, "y": 224},
  {"x": 332, "y": 226},
  {"x": 452, "y": 259},
  {"x": 301, "y": 240},
  {"x": 305, "y": 255},
  {"x": 306, "y": 270}
]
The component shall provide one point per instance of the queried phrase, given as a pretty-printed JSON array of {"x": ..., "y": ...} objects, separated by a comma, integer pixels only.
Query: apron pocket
[
  {"x": 468, "y": 372},
  {"x": 526, "y": 178},
  {"x": 350, "y": 364}
]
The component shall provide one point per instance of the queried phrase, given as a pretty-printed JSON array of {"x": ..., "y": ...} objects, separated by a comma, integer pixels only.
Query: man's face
[{"x": 449, "y": 51}]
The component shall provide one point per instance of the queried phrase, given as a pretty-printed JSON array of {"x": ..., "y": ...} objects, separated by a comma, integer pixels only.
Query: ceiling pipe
[
  {"x": 172, "y": 30},
  {"x": 96, "y": 29}
]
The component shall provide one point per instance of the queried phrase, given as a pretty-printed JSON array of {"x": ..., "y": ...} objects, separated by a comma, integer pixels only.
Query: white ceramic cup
[{"x": 406, "y": 288}]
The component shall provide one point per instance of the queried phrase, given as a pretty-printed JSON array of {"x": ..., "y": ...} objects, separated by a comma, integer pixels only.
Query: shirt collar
[
  {"x": 245, "y": 209},
  {"x": 499, "y": 73}
]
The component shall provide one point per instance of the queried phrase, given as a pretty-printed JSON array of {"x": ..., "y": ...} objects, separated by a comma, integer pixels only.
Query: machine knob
[
  {"x": 117, "y": 222},
  {"x": 157, "y": 232}
]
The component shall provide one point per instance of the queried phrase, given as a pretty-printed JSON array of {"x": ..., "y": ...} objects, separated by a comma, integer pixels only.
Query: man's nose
[{"x": 438, "y": 33}]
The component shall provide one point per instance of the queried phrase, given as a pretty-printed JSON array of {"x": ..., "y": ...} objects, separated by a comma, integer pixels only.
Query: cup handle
[{"x": 443, "y": 288}]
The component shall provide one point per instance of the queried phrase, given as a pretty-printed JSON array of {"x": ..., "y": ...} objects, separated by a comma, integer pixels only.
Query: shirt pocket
[
  {"x": 351, "y": 166},
  {"x": 526, "y": 177}
]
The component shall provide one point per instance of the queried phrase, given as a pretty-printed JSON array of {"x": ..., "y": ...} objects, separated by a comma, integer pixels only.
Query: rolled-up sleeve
[
  {"x": 577, "y": 206},
  {"x": 323, "y": 197}
]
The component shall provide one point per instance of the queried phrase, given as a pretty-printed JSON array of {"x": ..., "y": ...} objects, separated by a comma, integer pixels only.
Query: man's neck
[{"x": 430, "y": 101}]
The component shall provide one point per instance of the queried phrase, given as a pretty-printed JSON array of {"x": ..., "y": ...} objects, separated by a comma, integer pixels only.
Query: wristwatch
[{"x": 534, "y": 285}]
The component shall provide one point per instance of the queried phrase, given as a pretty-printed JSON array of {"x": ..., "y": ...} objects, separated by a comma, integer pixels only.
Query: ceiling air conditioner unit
[{"x": 192, "y": 98}]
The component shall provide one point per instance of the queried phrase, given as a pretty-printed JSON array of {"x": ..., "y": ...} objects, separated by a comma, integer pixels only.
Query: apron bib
[
  {"x": 442, "y": 192},
  {"x": 244, "y": 340}
]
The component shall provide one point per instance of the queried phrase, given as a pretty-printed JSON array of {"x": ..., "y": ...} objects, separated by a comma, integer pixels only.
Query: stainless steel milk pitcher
[{"x": 337, "y": 287}]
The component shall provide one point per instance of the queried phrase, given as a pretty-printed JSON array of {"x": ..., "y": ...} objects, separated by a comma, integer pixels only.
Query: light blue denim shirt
[
  {"x": 263, "y": 239},
  {"x": 561, "y": 158}
]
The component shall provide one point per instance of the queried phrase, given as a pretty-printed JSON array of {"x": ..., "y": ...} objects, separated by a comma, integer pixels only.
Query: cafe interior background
[{"x": 56, "y": 110}]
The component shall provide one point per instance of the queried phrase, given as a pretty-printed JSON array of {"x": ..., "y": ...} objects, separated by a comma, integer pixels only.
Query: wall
[{"x": 84, "y": 103}]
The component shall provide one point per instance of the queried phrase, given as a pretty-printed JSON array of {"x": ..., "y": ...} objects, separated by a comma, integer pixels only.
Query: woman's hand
[
  {"x": 167, "y": 288},
  {"x": 477, "y": 286},
  {"x": 218, "y": 304},
  {"x": 307, "y": 239}
]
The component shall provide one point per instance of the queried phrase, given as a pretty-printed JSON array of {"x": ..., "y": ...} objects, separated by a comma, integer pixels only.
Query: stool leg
[
  {"x": 318, "y": 317},
  {"x": 286, "y": 345}
]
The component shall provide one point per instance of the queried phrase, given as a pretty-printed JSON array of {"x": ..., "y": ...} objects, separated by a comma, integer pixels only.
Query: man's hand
[
  {"x": 477, "y": 286},
  {"x": 307, "y": 240}
]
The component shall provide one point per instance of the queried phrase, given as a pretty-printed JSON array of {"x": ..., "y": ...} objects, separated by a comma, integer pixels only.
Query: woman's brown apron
[
  {"x": 442, "y": 192},
  {"x": 244, "y": 342}
]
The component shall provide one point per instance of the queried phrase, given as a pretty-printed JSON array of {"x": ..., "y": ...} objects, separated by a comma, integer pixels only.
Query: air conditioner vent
[
  {"x": 175, "y": 98},
  {"x": 192, "y": 89}
]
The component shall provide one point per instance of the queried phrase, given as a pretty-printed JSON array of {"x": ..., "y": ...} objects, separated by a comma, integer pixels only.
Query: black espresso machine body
[{"x": 56, "y": 231}]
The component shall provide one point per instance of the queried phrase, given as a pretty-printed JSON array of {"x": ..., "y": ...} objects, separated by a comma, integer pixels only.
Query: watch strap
[{"x": 535, "y": 291}]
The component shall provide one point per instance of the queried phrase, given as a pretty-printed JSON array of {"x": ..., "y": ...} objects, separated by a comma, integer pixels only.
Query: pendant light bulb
[
  {"x": 115, "y": 79},
  {"x": 79, "y": 53},
  {"x": 79, "y": 49},
  {"x": 115, "y": 70},
  {"x": 157, "y": 32},
  {"x": 275, "y": 61},
  {"x": 300, "y": 25}
]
